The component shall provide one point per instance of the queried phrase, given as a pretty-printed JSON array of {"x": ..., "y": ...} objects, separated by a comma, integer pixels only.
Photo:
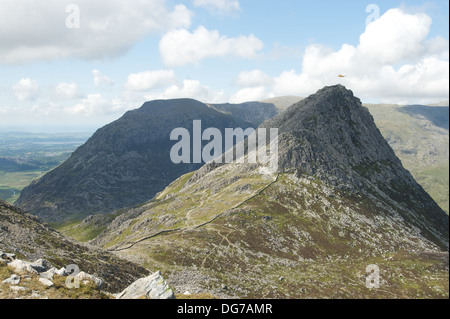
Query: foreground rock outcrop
[
  {"x": 151, "y": 287},
  {"x": 28, "y": 238},
  {"x": 68, "y": 282}
]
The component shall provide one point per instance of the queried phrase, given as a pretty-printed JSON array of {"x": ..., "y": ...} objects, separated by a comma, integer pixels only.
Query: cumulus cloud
[
  {"x": 219, "y": 6},
  {"x": 189, "y": 89},
  {"x": 26, "y": 90},
  {"x": 181, "y": 47},
  {"x": 67, "y": 91},
  {"x": 101, "y": 79},
  {"x": 36, "y": 30},
  {"x": 396, "y": 36},
  {"x": 395, "y": 61},
  {"x": 252, "y": 79},
  {"x": 92, "y": 105},
  {"x": 249, "y": 94},
  {"x": 150, "y": 79}
]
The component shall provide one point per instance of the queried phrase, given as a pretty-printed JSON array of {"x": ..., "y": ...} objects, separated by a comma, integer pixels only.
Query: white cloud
[
  {"x": 67, "y": 91},
  {"x": 149, "y": 80},
  {"x": 189, "y": 89},
  {"x": 249, "y": 94},
  {"x": 94, "y": 104},
  {"x": 36, "y": 30},
  {"x": 101, "y": 79},
  {"x": 291, "y": 83},
  {"x": 396, "y": 36},
  {"x": 26, "y": 90},
  {"x": 181, "y": 47},
  {"x": 253, "y": 78},
  {"x": 395, "y": 61},
  {"x": 219, "y": 6}
]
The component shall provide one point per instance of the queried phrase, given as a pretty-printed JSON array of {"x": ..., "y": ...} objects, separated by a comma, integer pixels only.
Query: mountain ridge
[
  {"x": 123, "y": 164},
  {"x": 245, "y": 227}
]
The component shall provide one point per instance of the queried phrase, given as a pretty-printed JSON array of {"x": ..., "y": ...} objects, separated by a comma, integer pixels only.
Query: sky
[{"x": 73, "y": 65}]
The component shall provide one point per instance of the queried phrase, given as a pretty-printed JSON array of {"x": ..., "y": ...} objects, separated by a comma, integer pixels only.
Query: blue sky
[{"x": 122, "y": 53}]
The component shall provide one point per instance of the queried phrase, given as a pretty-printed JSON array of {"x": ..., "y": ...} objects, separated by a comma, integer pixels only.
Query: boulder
[
  {"x": 49, "y": 274},
  {"x": 151, "y": 287},
  {"x": 13, "y": 280},
  {"x": 41, "y": 265},
  {"x": 21, "y": 266},
  {"x": 46, "y": 282},
  {"x": 61, "y": 272},
  {"x": 85, "y": 278},
  {"x": 6, "y": 256}
]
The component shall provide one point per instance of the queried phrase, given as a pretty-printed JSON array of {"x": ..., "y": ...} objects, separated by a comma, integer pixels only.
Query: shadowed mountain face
[
  {"x": 251, "y": 112},
  {"x": 438, "y": 115},
  {"x": 340, "y": 201},
  {"x": 123, "y": 164}
]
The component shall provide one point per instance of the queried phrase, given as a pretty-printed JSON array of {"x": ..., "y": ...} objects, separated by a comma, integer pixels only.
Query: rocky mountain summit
[
  {"x": 340, "y": 201},
  {"x": 331, "y": 136},
  {"x": 124, "y": 163}
]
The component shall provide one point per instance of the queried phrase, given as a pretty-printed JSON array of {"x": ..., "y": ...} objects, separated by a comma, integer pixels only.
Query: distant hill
[
  {"x": 441, "y": 103},
  {"x": 251, "y": 112},
  {"x": 419, "y": 135},
  {"x": 283, "y": 102}
]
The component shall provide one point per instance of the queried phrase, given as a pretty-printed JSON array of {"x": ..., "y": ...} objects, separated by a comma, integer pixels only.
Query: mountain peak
[{"x": 327, "y": 130}]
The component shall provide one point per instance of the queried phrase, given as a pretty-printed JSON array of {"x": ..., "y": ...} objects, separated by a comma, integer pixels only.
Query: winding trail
[{"x": 198, "y": 226}]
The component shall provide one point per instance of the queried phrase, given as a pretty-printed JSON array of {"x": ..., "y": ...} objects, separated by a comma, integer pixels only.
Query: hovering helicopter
[{"x": 341, "y": 76}]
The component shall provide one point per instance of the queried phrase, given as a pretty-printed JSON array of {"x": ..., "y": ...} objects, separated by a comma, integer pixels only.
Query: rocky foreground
[{"x": 39, "y": 279}]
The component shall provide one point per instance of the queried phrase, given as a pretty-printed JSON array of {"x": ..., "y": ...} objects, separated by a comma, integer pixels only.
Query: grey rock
[
  {"x": 21, "y": 266},
  {"x": 46, "y": 282},
  {"x": 49, "y": 274},
  {"x": 7, "y": 256},
  {"x": 41, "y": 265},
  {"x": 13, "y": 280},
  {"x": 61, "y": 272},
  {"x": 86, "y": 278},
  {"x": 151, "y": 287}
]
